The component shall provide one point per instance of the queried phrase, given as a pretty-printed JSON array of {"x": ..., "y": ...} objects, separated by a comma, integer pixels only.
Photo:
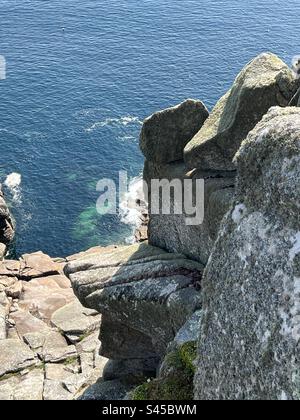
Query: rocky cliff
[
  {"x": 6, "y": 226},
  {"x": 204, "y": 311}
]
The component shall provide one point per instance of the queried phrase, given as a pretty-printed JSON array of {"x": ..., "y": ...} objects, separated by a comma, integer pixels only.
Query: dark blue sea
[{"x": 81, "y": 77}]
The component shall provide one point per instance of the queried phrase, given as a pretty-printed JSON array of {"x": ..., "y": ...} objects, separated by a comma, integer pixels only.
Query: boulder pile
[{"x": 49, "y": 346}]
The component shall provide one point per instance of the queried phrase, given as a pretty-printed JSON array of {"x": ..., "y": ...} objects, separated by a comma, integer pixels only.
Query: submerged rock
[
  {"x": 265, "y": 82},
  {"x": 249, "y": 344},
  {"x": 165, "y": 134}
]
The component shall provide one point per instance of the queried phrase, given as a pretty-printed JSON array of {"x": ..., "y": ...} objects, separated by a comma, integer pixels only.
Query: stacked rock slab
[
  {"x": 49, "y": 347},
  {"x": 164, "y": 161},
  {"x": 144, "y": 294},
  {"x": 6, "y": 226},
  {"x": 250, "y": 336},
  {"x": 265, "y": 82}
]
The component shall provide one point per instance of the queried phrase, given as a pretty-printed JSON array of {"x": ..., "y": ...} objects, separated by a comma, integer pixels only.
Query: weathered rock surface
[
  {"x": 15, "y": 356},
  {"x": 249, "y": 345},
  {"x": 75, "y": 321},
  {"x": 134, "y": 286},
  {"x": 165, "y": 134},
  {"x": 105, "y": 391},
  {"x": 171, "y": 231},
  {"x": 265, "y": 82},
  {"x": 40, "y": 318}
]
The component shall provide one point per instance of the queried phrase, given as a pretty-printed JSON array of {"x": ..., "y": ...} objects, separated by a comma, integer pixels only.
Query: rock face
[
  {"x": 6, "y": 226},
  {"x": 144, "y": 295},
  {"x": 171, "y": 231},
  {"x": 165, "y": 134},
  {"x": 249, "y": 345},
  {"x": 264, "y": 82}
]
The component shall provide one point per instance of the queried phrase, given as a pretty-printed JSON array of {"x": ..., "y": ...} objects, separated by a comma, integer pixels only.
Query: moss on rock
[{"x": 178, "y": 383}]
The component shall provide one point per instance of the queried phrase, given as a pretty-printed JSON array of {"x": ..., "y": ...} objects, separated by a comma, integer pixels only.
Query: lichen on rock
[
  {"x": 265, "y": 82},
  {"x": 250, "y": 329}
]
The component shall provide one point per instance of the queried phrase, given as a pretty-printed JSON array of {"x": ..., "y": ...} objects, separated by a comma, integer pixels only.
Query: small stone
[{"x": 15, "y": 291}]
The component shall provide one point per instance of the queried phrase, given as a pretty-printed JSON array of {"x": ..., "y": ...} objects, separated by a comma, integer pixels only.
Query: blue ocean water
[{"x": 74, "y": 98}]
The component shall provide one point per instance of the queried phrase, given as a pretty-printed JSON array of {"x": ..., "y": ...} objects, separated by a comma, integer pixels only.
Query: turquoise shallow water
[{"x": 73, "y": 101}]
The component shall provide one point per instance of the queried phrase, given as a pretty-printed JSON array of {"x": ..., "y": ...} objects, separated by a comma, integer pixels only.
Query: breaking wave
[
  {"x": 132, "y": 205},
  {"x": 13, "y": 184}
]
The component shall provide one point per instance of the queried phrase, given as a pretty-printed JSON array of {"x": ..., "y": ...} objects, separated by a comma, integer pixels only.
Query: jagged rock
[
  {"x": 133, "y": 286},
  {"x": 265, "y": 82},
  {"x": 106, "y": 391},
  {"x": 55, "y": 391},
  {"x": 75, "y": 321},
  {"x": 171, "y": 231},
  {"x": 7, "y": 232},
  {"x": 43, "y": 296},
  {"x": 57, "y": 372},
  {"x": 26, "y": 323},
  {"x": 9, "y": 270},
  {"x": 165, "y": 134},
  {"x": 130, "y": 370},
  {"x": 249, "y": 344},
  {"x": 37, "y": 264},
  {"x": 190, "y": 331},
  {"x": 2, "y": 250},
  {"x": 15, "y": 291},
  {"x": 89, "y": 344},
  {"x": 118, "y": 341},
  {"x": 2, "y": 323},
  {"x": 15, "y": 356}
]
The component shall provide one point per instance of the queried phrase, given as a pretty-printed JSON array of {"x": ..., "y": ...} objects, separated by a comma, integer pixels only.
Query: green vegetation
[{"x": 178, "y": 383}]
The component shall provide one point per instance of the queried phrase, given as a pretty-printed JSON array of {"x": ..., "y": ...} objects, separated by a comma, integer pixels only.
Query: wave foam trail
[
  {"x": 13, "y": 184},
  {"x": 123, "y": 121}
]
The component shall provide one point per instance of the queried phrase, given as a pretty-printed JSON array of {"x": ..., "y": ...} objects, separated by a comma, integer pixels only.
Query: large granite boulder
[
  {"x": 144, "y": 294},
  {"x": 6, "y": 226},
  {"x": 265, "y": 82},
  {"x": 250, "y": 335},
  {"x": 165, "y": 134},
  {"x": 171, "y": 231}
]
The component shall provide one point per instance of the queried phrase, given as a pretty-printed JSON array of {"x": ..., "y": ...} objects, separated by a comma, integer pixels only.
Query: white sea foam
[
  {"x": 13, "y": 184},
  {"x": 123, "y": 121}
]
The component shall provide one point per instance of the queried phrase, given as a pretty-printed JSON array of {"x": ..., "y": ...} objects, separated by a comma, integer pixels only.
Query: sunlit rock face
[{"x": 265, "y": 82}]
